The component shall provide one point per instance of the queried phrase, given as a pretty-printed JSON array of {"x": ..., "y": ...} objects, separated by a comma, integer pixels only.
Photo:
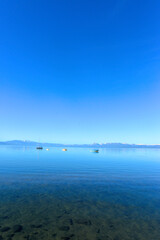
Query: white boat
[{"x": 64, "y": 149}]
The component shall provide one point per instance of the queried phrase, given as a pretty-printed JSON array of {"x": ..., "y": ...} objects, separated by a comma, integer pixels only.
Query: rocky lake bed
[{"x": 113, "y": 195}]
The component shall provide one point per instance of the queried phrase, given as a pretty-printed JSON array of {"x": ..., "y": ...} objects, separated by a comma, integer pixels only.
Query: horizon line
[{"x": 138, "y": 144}]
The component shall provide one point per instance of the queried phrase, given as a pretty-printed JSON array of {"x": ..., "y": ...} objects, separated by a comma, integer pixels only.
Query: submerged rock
[
  {"x": 68, "y": 237},
  {"x": 84, "y": 222},
  {"x": 71, "y": 221},
  {"x": 5, "y": 229},
  {"x": 30, "y": 237},
  {"x": 10, "y": 235},
  {"x": 26, "y": 237},
  {"x": 64, "y": 228},
  {"x": 111, "y": 226},
  {"x": 1, "y": 238},
  {"x": 117, "y": 238},
  {"x": 36, "y": 225},
  {"x": 5, "y": 217},
  {"x": 17, "y": 228}
]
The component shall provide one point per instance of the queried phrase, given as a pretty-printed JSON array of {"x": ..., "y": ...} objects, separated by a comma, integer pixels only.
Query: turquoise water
[{"x": 113, "y": 194}]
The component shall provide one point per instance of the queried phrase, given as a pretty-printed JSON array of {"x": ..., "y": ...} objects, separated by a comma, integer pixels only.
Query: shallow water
[{"x": 113, "y": 194}]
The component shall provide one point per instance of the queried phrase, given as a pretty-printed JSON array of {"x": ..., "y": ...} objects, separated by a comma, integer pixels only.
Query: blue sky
[{"x": 80, "y": 71}]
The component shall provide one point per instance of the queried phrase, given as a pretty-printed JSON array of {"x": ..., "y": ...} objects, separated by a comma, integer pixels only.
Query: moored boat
[
  {"x": 39, "y": 148},
  {"x": 95, "y": 151},
  {"x": 64, "y": 149}
]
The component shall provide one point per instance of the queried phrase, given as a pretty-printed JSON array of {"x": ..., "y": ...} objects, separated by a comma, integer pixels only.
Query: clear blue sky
[{"x": 75, "y": 71}]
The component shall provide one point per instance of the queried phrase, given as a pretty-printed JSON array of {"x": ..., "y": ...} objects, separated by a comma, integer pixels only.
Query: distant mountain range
[{"x": 94, "y": 145}]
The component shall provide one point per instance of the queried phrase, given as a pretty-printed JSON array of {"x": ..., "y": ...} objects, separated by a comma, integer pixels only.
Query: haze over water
[{"x": 113, "y": 194}]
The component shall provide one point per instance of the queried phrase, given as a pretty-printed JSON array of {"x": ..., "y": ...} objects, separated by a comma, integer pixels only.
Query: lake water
[{"x": 79, "y": 195}]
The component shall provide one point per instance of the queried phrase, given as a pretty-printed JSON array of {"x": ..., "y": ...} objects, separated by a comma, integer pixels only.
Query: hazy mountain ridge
[{"x": 95, "y": 145}]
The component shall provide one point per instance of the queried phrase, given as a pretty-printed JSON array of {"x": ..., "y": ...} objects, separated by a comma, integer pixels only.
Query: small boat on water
[
  {"x": 95, "y": 151},
  {"x": 64, "y": 149},
  {"x": 47, "y": 149},
  {"x": 39, "y": 148}
]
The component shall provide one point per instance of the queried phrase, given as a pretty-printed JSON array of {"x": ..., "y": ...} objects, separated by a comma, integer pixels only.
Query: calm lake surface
[{"x": 110, "y": 195}]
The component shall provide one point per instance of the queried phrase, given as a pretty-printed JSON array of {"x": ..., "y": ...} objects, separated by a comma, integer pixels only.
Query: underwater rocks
[
  {"x": 17, "y": 228},
  {"x": 68, "y": 237},
  {"x": 111, "y": 226},
  {"x": 30, "y": 237},
  {"x": 10, "y": 235},
  {"x": 71, "y": 221},
  {"x": 4, "y": 217},
  {"x": 5, "y": 229},
  {"x": 64, "y": 228},
  {"x": 83, "y": 222},
  {"x": 36, "y": 225}
]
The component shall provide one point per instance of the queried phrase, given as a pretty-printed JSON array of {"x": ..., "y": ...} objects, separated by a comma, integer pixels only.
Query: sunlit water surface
[{"x": 110, "y": 195}]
